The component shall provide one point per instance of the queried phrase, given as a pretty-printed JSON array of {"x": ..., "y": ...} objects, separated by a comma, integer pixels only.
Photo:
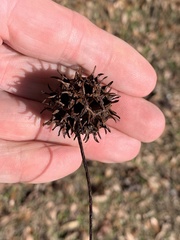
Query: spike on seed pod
[{"x": 81, "y": 106}]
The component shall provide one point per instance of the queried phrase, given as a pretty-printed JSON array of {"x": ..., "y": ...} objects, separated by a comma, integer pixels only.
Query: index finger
[{"x": 43, "y": 29}]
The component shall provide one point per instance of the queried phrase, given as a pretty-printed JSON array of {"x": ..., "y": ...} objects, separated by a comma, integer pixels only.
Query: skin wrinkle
[
  {"x": 3, "y": 19},
  {"x": 12, "y": 151},
  {"x": 104, "y": 58},
  {"x": 21, "y": 164},
  {"x": 60, "y": 166},
  {"x": 9, "y": 13},
  {"x": 92, "y": 48},
  {"x": 110, "y": 58},
  {"x": 66, "y": 53},
  {"x": 6, "y": 66},
  {"x": 3, "y": 71},
  {"x": 3, "y": 68},
  {"x": 45, "y": 146}
]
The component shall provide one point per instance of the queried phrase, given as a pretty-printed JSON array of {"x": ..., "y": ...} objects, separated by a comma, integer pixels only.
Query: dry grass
[{"x": 138, "y": 200}]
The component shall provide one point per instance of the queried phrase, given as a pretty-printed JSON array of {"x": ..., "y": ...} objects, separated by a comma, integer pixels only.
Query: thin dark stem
[{"x": 88, "y": 185}]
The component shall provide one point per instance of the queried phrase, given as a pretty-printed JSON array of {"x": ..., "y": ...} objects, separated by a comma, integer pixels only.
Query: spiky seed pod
[{"x": 80, "y": 105}]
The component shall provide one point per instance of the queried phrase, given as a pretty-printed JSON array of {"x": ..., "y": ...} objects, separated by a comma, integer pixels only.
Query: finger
[
  {"x": 38, "y": 162},
  {"x": 139, "y": 119},
  {"x": 114, "y": 147},
  {"x": 56, "y": 34}
]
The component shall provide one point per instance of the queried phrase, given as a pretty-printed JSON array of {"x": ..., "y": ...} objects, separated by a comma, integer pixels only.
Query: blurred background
[{"x": 137, "y": 200}]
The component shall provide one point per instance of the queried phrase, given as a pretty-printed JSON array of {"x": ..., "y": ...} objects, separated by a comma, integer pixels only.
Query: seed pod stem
[{"x": 88, "y": 185}]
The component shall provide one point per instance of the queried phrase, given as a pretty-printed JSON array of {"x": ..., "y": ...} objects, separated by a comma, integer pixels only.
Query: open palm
[{"x": 36, "y": 36}]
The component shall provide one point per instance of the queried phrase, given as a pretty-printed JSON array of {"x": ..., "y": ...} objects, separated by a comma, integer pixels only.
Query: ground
[{"x": 137, "y": 200}]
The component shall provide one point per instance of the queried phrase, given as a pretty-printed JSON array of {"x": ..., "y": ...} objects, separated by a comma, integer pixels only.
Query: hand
[{"x": 35, "y": 37}]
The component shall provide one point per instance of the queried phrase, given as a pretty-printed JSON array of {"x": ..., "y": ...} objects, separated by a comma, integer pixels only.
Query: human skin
[{"x": 35, "y": 37}]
